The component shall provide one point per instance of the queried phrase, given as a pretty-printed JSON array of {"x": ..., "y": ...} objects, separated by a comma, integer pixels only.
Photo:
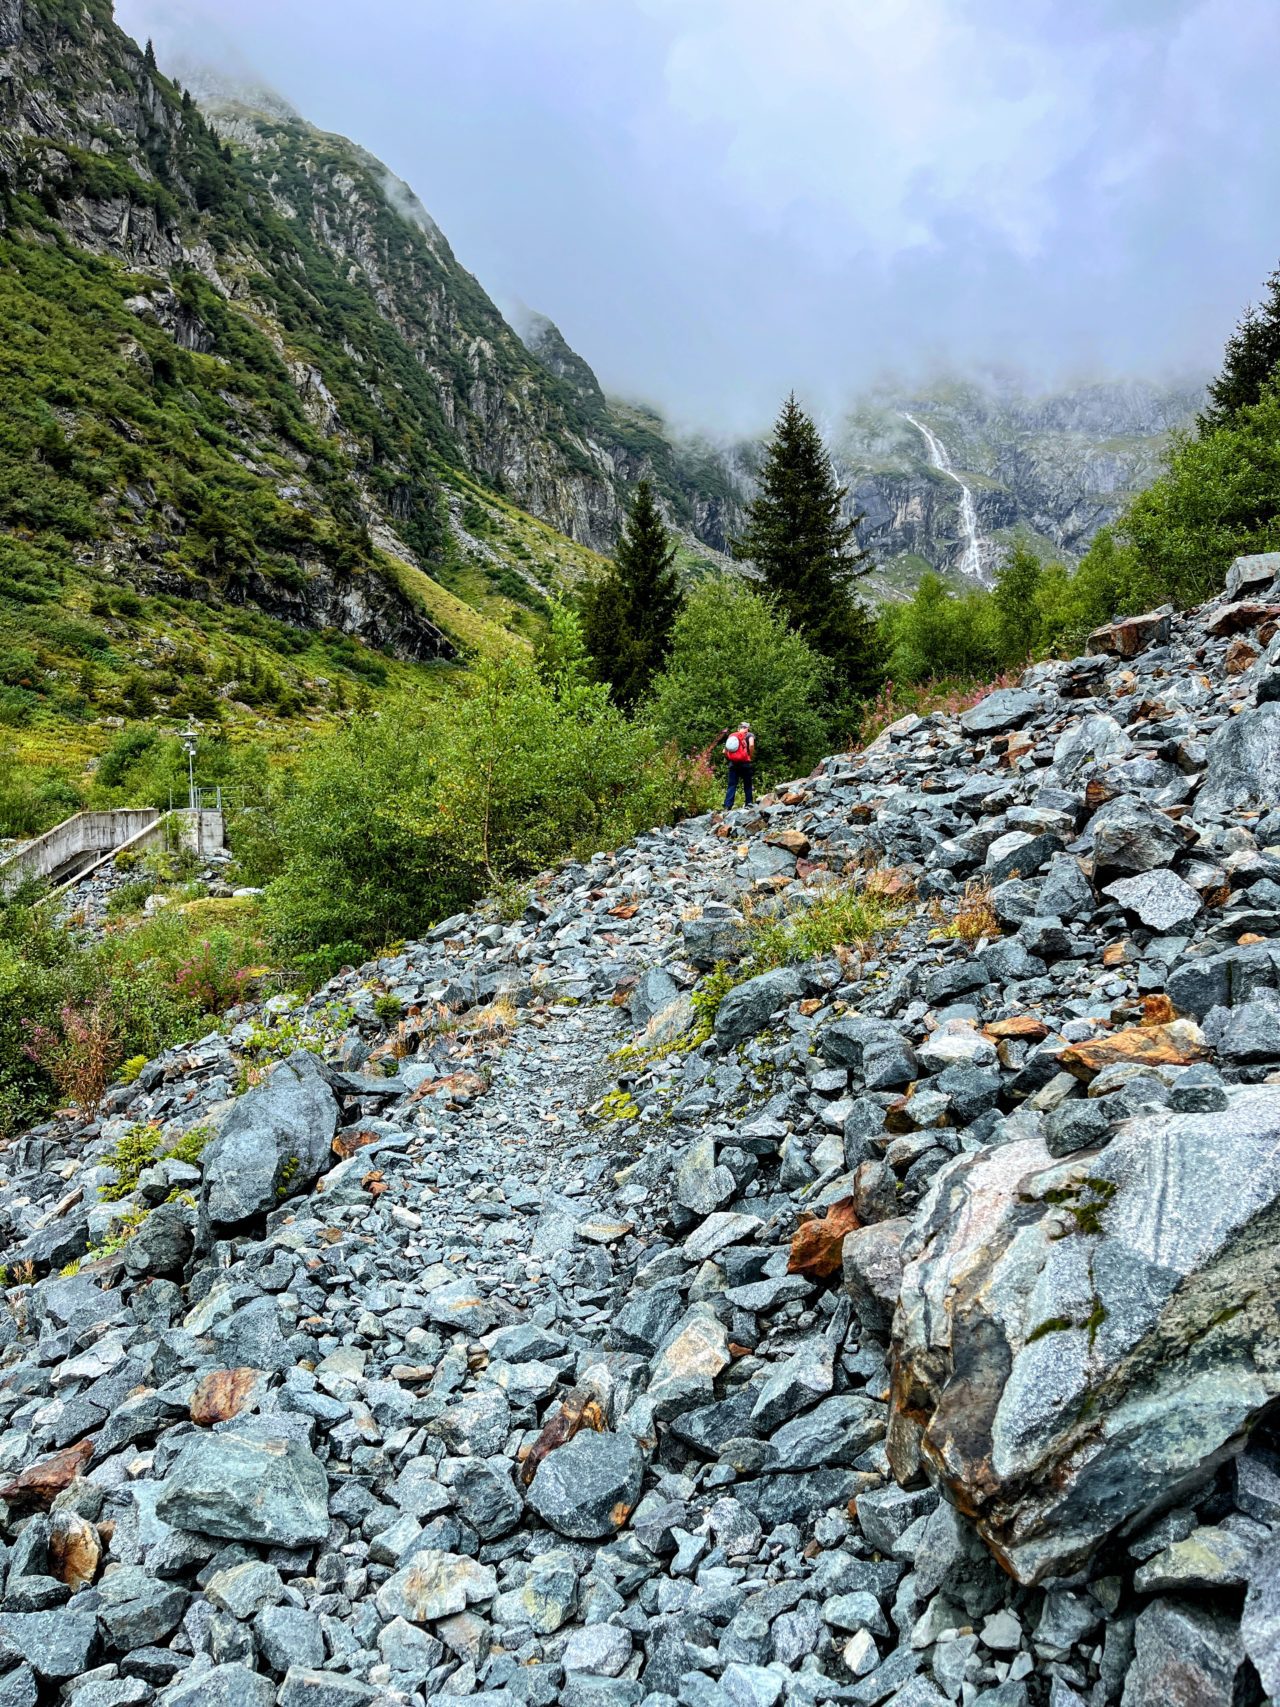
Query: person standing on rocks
[{"x": 740, "y": 750}]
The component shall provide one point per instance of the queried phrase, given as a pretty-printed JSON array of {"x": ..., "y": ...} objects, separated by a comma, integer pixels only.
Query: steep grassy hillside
[{"x": 254, "y": 421}]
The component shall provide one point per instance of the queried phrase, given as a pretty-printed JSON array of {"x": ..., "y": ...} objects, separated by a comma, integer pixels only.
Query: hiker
[{"x": 740, "y": 750}]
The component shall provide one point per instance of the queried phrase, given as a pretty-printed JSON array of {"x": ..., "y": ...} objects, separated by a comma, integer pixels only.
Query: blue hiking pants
[{"x": 739, "y": 771}]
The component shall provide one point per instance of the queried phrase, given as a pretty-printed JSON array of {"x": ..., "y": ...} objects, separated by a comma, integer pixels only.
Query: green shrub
[
  {"x": 129, "y": 897},
  {"x": 401, "y": 818},
  {"x": 732, "y": 656},
  {"x": 850, "y": 915}
]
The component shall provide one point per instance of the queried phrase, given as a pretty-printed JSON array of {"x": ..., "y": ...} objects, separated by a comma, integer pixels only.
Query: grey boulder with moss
[
  {"x": 1081, "y": 1342},
  {"x": 275, "y": 1141}
]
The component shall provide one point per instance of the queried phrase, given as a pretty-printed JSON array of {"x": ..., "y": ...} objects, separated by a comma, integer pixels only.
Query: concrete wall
[{"x": 85, "y": 833}]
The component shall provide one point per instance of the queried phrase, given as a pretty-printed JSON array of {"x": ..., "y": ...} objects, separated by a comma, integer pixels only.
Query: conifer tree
[
  {"x": 628, "y": 614},
  {"x": 1251, "y": 360},
  {"x": 149, "y": 55},
  {"x": 798, "y": 539}
]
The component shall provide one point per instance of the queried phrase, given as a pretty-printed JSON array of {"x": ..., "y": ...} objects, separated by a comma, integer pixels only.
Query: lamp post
[{"x": 189, "y": 738}]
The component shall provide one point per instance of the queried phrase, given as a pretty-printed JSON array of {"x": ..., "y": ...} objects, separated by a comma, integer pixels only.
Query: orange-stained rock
[
  {"x": 1239, "y": 656},
  {"x": 1157, "y": 1010},
  {"x": 1245, "y": 614},
  {"x": 222, "y": 1394},
  {"x": 75, "y": 1549},
  {"x": 1025, "y": 1026},
  {"x": 1248, "y": 938},
  {"x": 817, "y": 1249},
  {"x": 40, "y": 1482},
  {"x": 347, "y": 1143},
  {"x": 790, "y": 841},
  {"x": 1126, "y": 639},
  {"x": 1116, "y": 953},
  {"x": 1176, "y": 1044}
]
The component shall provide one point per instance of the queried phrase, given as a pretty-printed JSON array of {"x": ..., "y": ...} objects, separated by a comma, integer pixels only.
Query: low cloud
[{"x": 719, "y": 199}]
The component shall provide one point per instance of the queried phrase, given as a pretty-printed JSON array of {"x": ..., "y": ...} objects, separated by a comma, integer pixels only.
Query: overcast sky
[{"x": 719, "y": 199}]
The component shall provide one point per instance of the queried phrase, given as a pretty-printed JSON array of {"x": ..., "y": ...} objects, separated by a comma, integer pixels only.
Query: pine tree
[
  {"x": 798, "y": 539},
  {"x": 628, "y": 614},
  {"x": 149, "y": 55},
  {"x": 1252, "y": 358}
]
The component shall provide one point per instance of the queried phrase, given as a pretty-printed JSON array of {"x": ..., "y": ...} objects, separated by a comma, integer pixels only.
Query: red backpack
[{"x": 740, "y": 748}]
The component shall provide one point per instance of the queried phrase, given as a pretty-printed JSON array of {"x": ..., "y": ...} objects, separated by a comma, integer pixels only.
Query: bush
[
  {"x": 401, "y": 818},
  {"x": 732, "y": 656}
]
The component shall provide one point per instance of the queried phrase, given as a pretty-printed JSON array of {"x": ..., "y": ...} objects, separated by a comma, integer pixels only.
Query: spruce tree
[
  {"x": 1251, "y": 360},
  {"x": 798, "y": 539},
  {"x": 628, "y": 614},
  {"x": 149, "y": 55}
]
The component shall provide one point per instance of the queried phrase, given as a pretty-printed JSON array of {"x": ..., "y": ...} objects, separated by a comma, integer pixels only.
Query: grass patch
[
  {"x": 845, "y": 917},
  {"x": 972, "y": 918}
]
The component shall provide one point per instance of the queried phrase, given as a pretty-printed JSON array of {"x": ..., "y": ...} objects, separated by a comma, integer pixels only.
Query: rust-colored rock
[
  {"x": 790, "y": 841},
  {"x": 1157, "y": 1010},
  {"x": 1176, "y": 1044},
  {"x": 39, "y": 1484},
  {"x": 373, "y": 1182},
  {"x": 1024, "y": 1026},
  {"x": 221, "y": 1395},
  {"x": 1238, "y": 618},
  {"x": 1240, "y": 656},
  {"x": 75, "y": 1549},
  {"x": 346, "y": 1144},
  {"x": 580, "y": 1409},
  {"x": 817, "y": 1250},
  {"x": 1116, "y": 953},
  {"x": 1133, "y": 635}
]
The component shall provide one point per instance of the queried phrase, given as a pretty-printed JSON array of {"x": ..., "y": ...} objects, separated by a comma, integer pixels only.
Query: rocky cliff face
[
  {"x": 897, "y": 1324},
  {"x": 1058, "y": 467}
]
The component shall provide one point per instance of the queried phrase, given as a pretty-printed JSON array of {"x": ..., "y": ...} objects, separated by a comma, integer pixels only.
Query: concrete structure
[
  {"x": 71, "y": 847},
  {"x": 82, "y": 845}
]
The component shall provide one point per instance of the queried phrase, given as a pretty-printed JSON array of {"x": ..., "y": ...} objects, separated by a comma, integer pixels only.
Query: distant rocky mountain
[{"x": 1057, "y": 466}]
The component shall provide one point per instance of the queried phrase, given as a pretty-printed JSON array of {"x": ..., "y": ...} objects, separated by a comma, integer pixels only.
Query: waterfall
[{"x": 971, "y": 558}]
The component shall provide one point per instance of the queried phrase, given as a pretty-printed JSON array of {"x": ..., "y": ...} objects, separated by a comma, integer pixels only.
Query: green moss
[
  {"x": 1055, "y": 1325},
  {"x": 618, "y": 1104},
  {"x": 288, "y": 1173},
  {"x": 134, "y": 1151}
]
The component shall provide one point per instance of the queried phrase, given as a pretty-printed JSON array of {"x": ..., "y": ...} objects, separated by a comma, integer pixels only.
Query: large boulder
[
  {"x": 275, "y": 1141},
  {"x": 1130, "y": 835},
  {"x": 1004, "y": 709},
  {"x": 1243, "y": 763},
  {"x": 1080, "y": 1343}
]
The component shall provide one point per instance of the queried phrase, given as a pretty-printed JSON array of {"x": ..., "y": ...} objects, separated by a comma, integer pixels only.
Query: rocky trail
[{"x": 569, "y": 1309}]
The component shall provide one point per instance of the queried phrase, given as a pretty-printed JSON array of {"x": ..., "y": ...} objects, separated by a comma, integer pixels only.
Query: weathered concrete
[
  {"x": 81, "y": 846},
  {"x": 76, "y": 839}
]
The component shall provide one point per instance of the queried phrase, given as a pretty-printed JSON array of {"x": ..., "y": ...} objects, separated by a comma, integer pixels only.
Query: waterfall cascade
[{"x": 973, "y": 557}]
